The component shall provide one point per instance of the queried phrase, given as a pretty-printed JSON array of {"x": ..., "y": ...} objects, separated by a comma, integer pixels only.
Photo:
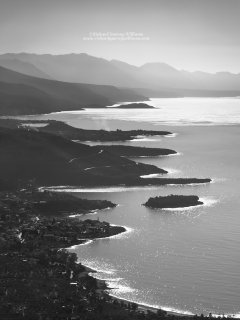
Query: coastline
[
  {"x": 116, "y": 235},
  {"x": 103, "y": 288},
  {"x": 145, "y": 308}
]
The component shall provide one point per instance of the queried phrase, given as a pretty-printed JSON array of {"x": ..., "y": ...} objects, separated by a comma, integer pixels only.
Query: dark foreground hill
[
  {"x": 49, "y": 160},
  {"x": 72, "y": 133},
  {"x": 53, "y": 160},
  {"x": 21, "y": 94},
  {"x": 18, "y": 99},
  {"x": 64, "y": 130},
  {"x": 131, "y": 151}
]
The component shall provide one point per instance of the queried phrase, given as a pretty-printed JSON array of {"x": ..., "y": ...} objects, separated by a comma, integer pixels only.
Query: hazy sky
[{"x": 188, "y": 34}]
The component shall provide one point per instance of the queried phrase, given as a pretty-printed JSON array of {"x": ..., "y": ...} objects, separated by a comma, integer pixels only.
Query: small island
[
  {"x": 135, "y": 106},
  {"x": 173, "y": 201}
]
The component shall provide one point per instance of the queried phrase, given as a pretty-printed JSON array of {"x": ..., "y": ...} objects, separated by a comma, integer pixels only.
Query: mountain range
[
  {"x": 35, "y": 84},
  {"x": 151, "y": 79},
  {"x": 24, "y": 94}
]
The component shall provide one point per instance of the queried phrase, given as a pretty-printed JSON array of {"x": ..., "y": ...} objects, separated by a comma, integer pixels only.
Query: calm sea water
[{"x": 181, "y": 260}]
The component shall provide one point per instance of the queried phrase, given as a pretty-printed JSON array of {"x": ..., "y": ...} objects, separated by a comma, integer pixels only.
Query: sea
[{"x": 182, "y": 260}]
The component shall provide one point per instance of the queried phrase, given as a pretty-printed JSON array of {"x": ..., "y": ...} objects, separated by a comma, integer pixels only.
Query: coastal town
[
  {"x": 24, "y": 220},
  {"x": 40, "y": 278}
]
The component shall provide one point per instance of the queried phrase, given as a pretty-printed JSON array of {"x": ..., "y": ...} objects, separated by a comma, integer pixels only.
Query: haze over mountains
[
  {"x": 152, "y": 79},
  {"x": 24, "y": 94},
  {"x": 33, "y": 84}
]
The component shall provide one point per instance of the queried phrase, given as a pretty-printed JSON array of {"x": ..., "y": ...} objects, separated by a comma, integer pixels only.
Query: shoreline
[
  {"x": 103, "y": 287},
  {"x": 126, "y": 187},
  {"x": 145, "y": 307},
  {"x": 113, "y": 236},
  {"x": 103, "y": 290}
]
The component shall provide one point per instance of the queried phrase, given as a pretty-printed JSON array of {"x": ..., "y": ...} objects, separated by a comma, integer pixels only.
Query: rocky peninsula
[
  {"x": 66, "y": 131},
  {"x": 173, "y": 201},
  {"x": 51, "y": 160},
  {"x": 46, "y": 203},
  {"x": 130, "y": 151}
]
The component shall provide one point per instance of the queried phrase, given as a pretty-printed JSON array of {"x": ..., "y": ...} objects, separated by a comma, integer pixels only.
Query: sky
[{"x": 187, "y": 34}]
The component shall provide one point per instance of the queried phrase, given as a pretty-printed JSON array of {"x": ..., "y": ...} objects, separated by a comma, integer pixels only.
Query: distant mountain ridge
[
  {"x": 161, "y": 78},
  {"x": 23, "y": 94},
  {"x": 23, "y": 67}
]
